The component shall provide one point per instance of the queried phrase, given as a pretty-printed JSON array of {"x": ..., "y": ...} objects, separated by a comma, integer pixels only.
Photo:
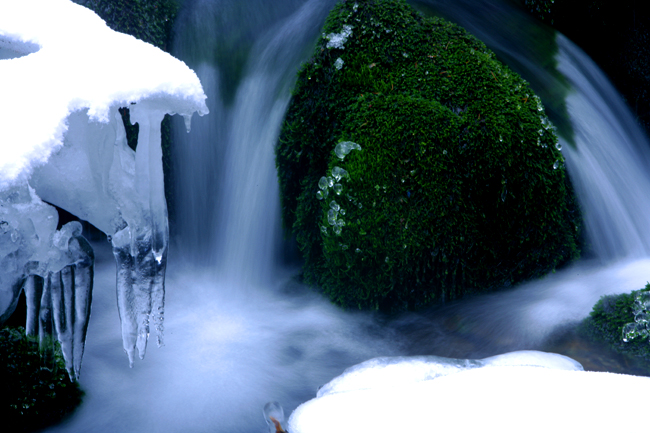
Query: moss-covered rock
[
  {"x": 458, "y": 187},
  {"x": 608, "y": 318},
  {"x": 33, "y": 397}
]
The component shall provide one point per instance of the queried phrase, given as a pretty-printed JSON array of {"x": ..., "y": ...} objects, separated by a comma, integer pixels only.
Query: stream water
[{"x": 240, "y": 331}]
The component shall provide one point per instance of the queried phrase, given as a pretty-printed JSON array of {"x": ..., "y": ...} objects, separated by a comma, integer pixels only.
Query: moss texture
[
  {"x": 607, "y": 319},
  {"x": 523, "y": 44},
  {"x": 458, "y": 186},
  {"x": 33, "y": 397}
]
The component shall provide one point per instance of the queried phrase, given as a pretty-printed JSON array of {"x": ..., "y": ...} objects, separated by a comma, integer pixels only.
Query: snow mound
[
  {"x": 388, "y": 372},
  {"x": 519, "y": 391}
]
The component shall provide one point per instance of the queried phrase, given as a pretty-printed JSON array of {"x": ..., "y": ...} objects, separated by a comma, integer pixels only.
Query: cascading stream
[
  {"x": 244, "y": 240},
  {"x": 237, "y": 335},
  {"x": 610, "y": 161}
]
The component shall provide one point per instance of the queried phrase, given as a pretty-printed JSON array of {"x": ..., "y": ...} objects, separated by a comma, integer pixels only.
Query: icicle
[
  {"x": 140, "y": 292},
  {"x": 125, "y": 298},
  {"x": 70, "y": 290},
  {"x": 46, "y": 342},
  {"x": 152, "y": 243},
  {"x": 188, "y": 122},
  {"x": 33, "y": 292},
  {"x": 158, "y": 298},
  {"x": 62, "y": 309},
  {"x": 83, "y": 287},
  {"x": 142, "y": 288}
]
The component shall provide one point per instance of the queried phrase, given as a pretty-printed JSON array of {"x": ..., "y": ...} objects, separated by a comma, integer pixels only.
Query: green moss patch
[
  {"x": 459, "y": 186},
  {"x": 607, "y": 320},
  {"x": 33, "y": 397}
]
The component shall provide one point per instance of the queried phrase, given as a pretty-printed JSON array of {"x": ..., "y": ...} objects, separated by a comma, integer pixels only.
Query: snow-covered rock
[
  {"x": 519, "y": 391},
  {"x": 63, "y": 76}
]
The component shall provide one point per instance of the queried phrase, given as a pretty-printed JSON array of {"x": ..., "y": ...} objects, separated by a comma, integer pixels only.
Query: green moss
[
  {"x": 454, "y": 190},
  {"x": 606, "y": 321},
  {"x": 33, "y": 397},
  {"x": 535, "y": 49}
]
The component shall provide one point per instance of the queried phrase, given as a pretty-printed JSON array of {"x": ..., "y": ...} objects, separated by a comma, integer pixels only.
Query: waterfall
[
  {"x": 610, "y": 162},
  {"x": 228, "y": 211},
  {"x": 238, "y": 335}
]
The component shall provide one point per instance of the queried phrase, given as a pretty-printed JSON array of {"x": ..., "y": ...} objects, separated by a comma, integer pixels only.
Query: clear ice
[
  {"x": 336, "y": 40},
  {"x": 345, "y": 147},
  {"x": 641, "y": 311},
  {"x": 53, "y": 267},
  {"x": 97, "y": 177},
  {"x": 64, "y": 143}
]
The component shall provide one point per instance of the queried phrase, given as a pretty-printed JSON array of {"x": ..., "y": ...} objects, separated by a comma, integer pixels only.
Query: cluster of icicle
[{"x": 64, "y": 144}]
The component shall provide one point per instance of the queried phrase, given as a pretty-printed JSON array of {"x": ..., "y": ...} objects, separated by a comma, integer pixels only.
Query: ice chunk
[
  {"x": 338, "y": 173},
  {"x": 322, "y": 183},
  {"x": 345, "y": 147}
]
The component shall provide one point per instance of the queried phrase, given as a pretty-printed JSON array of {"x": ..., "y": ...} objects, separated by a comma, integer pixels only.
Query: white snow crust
[
  {"x": 63, "y": 76},
  {"x": 520, "y": 391},
  {"x": 79, "y": 64},
  {"x": 396, "y": 371}
]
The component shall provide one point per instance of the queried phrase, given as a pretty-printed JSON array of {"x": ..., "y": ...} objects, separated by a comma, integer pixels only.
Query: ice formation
[
  {"x": 336, "y": 40},
  {"x": 514, "y": 392},
  {"x": 63, "y": 76},
  {"x": 641, "y": 311}
]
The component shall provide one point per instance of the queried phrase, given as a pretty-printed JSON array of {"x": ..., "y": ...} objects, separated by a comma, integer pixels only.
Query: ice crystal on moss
[
  {"x": 641, "y": 311},
  {"x": 343, "y": 148},
  {"x": 336, "y": 40}
]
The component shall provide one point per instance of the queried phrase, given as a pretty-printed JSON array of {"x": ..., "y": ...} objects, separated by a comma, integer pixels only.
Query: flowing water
[{"x": 240, "y": 331}]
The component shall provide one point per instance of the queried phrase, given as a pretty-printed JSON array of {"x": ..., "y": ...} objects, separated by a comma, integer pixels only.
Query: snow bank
[
  {"x": 519, "y": 391},
  {"x": 63, "y": 76}
]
